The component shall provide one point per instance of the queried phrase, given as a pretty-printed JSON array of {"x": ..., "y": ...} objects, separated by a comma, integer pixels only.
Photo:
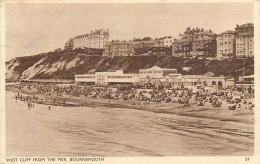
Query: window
[
  {"x": 225, "y": 42},
  {"x": 229, "y": 42},
  {"x": 225, "y": 36},
  {"x": 251, "y": 52},
  {"x": 225, "y": 50}
]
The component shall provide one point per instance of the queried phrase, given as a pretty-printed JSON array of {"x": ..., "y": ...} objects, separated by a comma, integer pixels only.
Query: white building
[
  {"x": 226, "y": 45},
  {"x": 105, "y": 78},
  {"x": 245, "y": 40},
  {"x": 95, "y": 39},
  {"x": 168, "y": 40},
  {"x": 156, "y": 76},
  {"x": 189, "y": 81}
]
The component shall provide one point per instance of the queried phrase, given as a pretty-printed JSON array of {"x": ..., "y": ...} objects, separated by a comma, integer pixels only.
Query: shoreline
[{"x": 200, "y": 112}]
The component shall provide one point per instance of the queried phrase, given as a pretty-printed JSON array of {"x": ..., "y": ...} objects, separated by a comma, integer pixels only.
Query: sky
[{"x": 40, "y": 27}]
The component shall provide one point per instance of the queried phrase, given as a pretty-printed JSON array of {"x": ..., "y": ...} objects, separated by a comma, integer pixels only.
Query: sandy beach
[
  {"x": 103, "y": 127},
  {"x": 208, "y": 111}
]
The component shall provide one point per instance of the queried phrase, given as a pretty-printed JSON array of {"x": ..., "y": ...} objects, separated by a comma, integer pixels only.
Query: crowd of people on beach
[
  {"x": 180, "y": 96},
  {"x": 31, "y": 100}
]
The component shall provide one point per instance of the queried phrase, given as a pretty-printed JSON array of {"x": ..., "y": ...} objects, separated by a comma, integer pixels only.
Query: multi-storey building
[
  {"x": 126, "y": 48},
  {"x": 119, "y": 48},
  {"x": 204, "y": 45},
  {"x": 166, "y": 41},
  {"x": 96, "y": 39},
  {"x": 195, "y": 42},
  {"x": 181, "y": 47},
  {"x": 245, "y": 40},
  {"x": 226, "y": 44}
]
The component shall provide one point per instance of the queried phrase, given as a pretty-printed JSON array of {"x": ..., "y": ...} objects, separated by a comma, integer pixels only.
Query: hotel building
[
  {"x": 119, "y": 48},
  {"x": 245, "y": 40},
  {"x": 96, "y": 39},
  {"x": 126, "y": 48},
  {"x": 226, "y": 44},
  {"x": 195, "y": 42}
]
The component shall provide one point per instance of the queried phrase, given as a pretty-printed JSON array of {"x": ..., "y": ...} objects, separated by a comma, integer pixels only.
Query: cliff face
[{"x": 64, "y": 65}]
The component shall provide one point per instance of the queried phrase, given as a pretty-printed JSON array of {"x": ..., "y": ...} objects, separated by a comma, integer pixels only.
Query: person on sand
[
  {"x": 49, "y": 107},
  {"x": 29, "y": 106}
]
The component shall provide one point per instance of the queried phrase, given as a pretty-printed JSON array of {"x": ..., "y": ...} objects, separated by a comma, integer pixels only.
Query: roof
[
  {"x": 173, "y": 74},
  {"x": 195, "y": 76},
  {"x": 245, "y": 33},
  {"x": 231, "y": 79},
  {"x": 48, "y": 80},
  {"x": 205, "y": 33},
  {"x": 158, "y": 68},
  {"x": 202, "y": 77},
  {"x": 183, "y": 80},
  {"x": 181, "y": 40},
  {"x": 204, "y": 38},
  {"x": 246, "y": 25},
  {"x": 133, "y": 42},
  {"x": 249, "y": 76},
  {"x": 158, "y": 45},
  {"x": 120, "y": 42},
  {"x": 227, "y": 32}
]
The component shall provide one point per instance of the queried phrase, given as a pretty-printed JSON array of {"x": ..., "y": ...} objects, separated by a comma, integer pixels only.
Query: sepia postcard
[{"x": 130, "y": 82}]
